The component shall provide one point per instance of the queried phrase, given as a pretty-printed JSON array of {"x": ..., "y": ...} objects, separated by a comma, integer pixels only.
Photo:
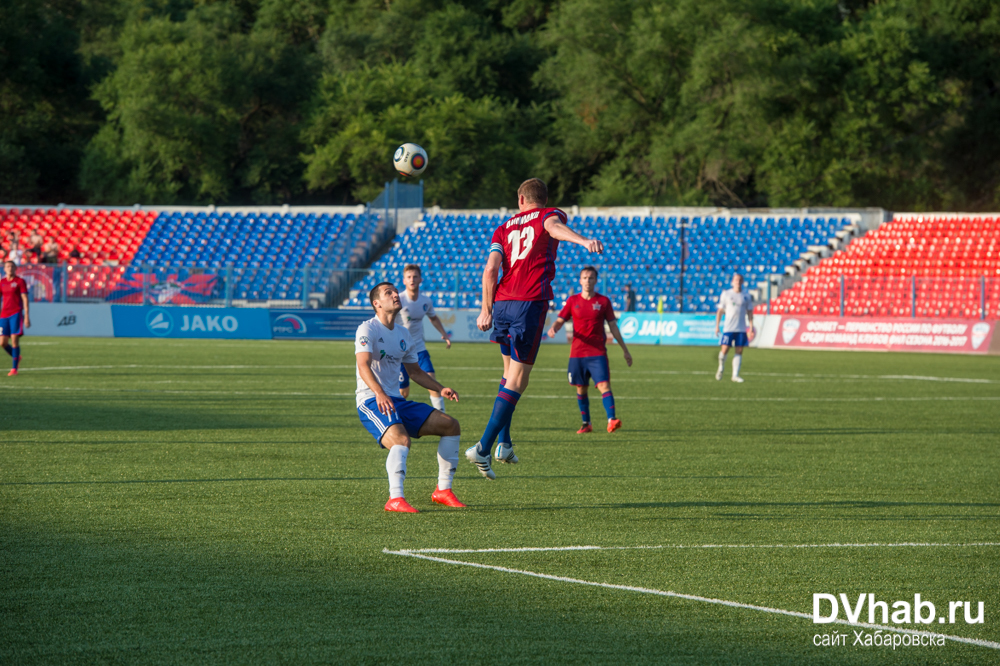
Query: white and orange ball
[{"x": 410, "y": 159}]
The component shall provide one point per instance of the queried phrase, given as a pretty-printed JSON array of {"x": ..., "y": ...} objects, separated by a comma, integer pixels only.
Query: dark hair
[
  {"x": 376, "y": 290},
  {"x": 589, "y": 268},
  {"x": 534, "y": 191},
  {"x": 412, "y": 267}
]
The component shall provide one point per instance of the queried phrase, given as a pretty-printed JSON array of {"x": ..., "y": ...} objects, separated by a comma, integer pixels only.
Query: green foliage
[{"x": 726, "y": 102}]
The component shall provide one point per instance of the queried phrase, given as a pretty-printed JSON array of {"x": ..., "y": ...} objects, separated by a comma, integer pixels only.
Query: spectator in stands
[
  {"x": 15, "y": 253},
  {"x": 35, "y": 241},
  {"x": 50, "y": 253},
  {"x": 74, "y": 253},
  {"x": 629, "y": 298}
]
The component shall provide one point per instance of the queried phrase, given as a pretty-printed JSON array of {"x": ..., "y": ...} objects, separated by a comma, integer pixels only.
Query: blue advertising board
[
  {"x": 131, "y": 321},
  {"x": 668, "y": 329},
  {"x": 317, "y": 324}
]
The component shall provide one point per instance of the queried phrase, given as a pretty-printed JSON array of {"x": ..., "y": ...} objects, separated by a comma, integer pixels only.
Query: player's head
[
  {"x": 737, "y": 282},
  {"x": 532, "y": 194},
  {"x": 588, "y": 278},
  {"x": 384, "y": 297},
  {"x": 412, "y": 276},
  {"x": 9, "y": 268}
]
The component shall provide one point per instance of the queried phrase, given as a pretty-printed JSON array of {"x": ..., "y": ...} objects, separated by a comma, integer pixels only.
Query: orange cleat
[
  {"x": 399, "y": 505},
  {"x": 12, "y": 372},
  {"x": 446, "y": 497},
  {"x": 585, "y": 429},
  {"x": 614, "y": 424}
]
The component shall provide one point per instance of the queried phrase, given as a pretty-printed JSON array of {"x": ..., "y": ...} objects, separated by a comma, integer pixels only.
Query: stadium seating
[
  {"x": 912, "y": 266},
  {"x": 100, "y": 235},
  {"x": 642, "y": 251}
]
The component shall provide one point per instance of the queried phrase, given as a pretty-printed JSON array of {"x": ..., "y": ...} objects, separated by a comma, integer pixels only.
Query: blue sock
[
  {"x": 503, "y": 409},
  {"x": 504, "y": 436},
  {"x": 609, "y": 404},
  {"x": 16, "y": 356},
  {"x": 584, "y": 402},
  {"x": 9, "y": 350}
]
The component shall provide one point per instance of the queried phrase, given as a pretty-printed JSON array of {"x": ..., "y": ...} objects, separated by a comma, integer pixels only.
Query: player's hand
[
  {"x": 485, "y": 321},
  {"x": 628, "y": 359},
  {"x": 27, "y": 321},
  {"x": 449, "y": 394},
  {"x": 594, "y": 246},
  {"x": 552, "y": 333},
  {"x": 716, "y": 331},
  {"x": 751, "y": 333},
  {"x": 385, "y": 405},
  {"x": 447, "y": 341}
]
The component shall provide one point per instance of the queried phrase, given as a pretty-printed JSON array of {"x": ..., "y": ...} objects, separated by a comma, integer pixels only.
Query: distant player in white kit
[
  {"x": 415, "y": 307},
  {"x": 381, "y": 346},
  {"x": 737, "y": 306}
]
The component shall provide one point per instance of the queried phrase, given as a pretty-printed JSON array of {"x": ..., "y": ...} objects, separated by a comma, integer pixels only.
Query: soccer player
[
  {"x": 13, "y": 313},
  {"x": 515, "y": 306},
  {"x": 588, "y": 355},
  {"x": 380, "y": 346},
  {"x": 415, "y": 308},
  {"x": 737, "y": 305}
]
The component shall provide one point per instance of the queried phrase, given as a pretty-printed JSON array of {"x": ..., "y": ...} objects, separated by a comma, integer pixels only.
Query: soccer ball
[{"x": 410, "y": 159}]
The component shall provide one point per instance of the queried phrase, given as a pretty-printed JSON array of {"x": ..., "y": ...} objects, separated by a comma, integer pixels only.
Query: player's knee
[
  {"x": 604, "y": 387},
  {"x": 452, "y": 428}
]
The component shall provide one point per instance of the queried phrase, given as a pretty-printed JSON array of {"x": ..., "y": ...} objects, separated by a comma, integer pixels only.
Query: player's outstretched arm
[
  {"x": 718, "y": 320},
  {"x": 384, "y": 402},
  {"x": 423, "y": 379},
  {"x": 436, "y": 323},
  {"x": 613, "y": 325},
  {"x": 556, "y": 326},
  {"x": 561, "y": 232},
  {"x": 491, "y": 275}
]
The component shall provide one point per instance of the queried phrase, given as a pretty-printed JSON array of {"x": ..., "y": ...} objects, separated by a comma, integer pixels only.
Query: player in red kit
[
  {"x": 588, "y": 356},
  {"x": 13, "y": 313},
  {"x": 515, "y": 306}
]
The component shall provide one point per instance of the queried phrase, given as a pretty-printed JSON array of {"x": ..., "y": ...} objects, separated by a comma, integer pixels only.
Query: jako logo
[
  {"x": 289, "y": 324},
  {"x": 920, "y": 612},
  {"x": 159, "y": 322},
  {"x": 629, "y": 327},
  {"x": 209, "y": 323}
]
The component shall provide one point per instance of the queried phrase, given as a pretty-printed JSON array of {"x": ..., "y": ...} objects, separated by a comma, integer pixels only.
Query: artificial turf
[{"x": 209, "y": 501}]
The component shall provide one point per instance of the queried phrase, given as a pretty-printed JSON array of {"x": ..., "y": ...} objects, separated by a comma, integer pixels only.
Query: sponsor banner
[
  {"x": 71, "y": 319},
  {"x": 133, "y": 321},
  {"x": 317, "y": 324},
  {"x": 461, "y": 326},
  {"x": 668, "y": 329},
  {"x": 174, "y": 286},
  {"x": 927, "y": 335}
]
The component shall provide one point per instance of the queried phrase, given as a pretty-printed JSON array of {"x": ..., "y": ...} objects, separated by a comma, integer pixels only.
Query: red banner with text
[{"x": 925, "y": 335}]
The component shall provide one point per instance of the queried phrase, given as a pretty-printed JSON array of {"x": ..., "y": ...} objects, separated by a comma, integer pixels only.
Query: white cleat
[
  {"x": 738, "y": 380},
  {"x": 505, "y": 454},
  {"x": 481, "y": 462},
  {"x": 718, "y": 375}
]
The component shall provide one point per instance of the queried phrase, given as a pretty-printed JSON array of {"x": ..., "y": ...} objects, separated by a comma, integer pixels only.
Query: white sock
[
  {"x": 447, "y": 460},
  {"x": 722, "y": 360},
  {"x": 438, "y": 403},
  {"x": 395, "y": 466},
  {"x": 737, "y": 362}
]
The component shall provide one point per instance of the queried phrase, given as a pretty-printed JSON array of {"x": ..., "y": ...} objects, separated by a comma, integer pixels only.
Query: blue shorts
[
  {"x": 734, "y": 339},
  {"x": 582, "y": 370},
  {"x": 12, "y": 325},
  {"x": 423, "y": 360},
  {"x": 518, "y": 327},
  {"x": 411, "y": 415}
]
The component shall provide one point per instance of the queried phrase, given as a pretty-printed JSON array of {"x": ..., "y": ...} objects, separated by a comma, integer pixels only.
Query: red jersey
[
  {"x": 529, "y": 256},
  {"x": 10, "y": 292},
  {"x": 589, "y": 338}
]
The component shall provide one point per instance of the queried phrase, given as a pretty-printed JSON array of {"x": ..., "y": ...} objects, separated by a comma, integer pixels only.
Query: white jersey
[
  {"x": 737, "y": 305},
  {"x": 412, "y": 316},
  {"x": 389, "y": 349}
]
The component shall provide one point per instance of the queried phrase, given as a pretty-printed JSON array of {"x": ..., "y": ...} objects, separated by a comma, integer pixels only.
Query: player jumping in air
[
  {"x": 13, "y": 313},
  {"x": 588, "y": 355},
  {"x": 380, "y": 346},
  {"x": 737, "y": 305},
  {"x": 525, "y": 247},
  {"x": 415, "y": 308}
]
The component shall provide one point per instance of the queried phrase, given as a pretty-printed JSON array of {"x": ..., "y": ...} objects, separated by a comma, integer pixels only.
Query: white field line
[
  {"x": 706, "y": 545},
  {"x": 691, "y": 597},
  {"x": 800, "y": 375},
  {"x": 491, "y": 396}
]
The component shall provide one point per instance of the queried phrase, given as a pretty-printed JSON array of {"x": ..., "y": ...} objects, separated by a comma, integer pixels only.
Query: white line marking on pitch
[
  {"x": 706, "y": 545},
  {"x": 691, "y": 597}
]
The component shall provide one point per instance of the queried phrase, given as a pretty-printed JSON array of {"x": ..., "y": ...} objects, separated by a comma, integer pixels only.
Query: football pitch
[{"x": 169, "y": 501}]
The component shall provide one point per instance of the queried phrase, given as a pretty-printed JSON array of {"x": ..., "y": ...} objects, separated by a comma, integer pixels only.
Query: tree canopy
[{"x": 889, "y": 103}]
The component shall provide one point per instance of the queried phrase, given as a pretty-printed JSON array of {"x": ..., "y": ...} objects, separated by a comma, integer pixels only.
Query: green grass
[{"x": 202, "y": 501}]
